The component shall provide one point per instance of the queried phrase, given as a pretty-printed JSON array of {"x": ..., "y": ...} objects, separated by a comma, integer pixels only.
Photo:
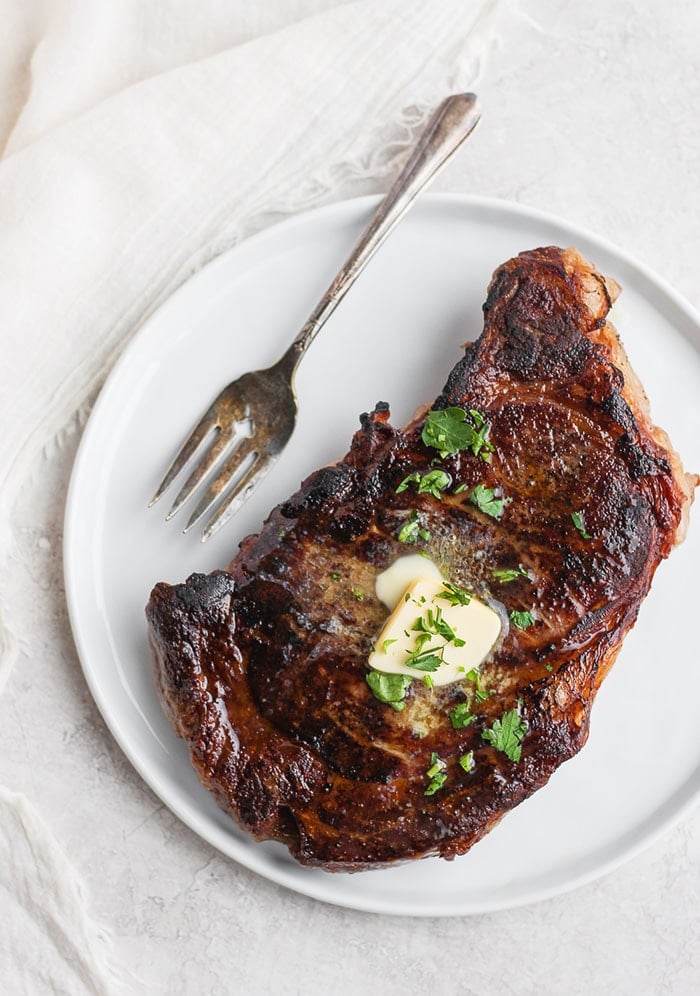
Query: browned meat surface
[{"x": 262, "y": 667}]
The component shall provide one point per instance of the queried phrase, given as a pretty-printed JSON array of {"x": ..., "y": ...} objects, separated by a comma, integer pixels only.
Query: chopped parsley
[
  {"x": 432, "y": 483},
  {"x": 428, "y": 626},
  {"x": 436, "y": 774},
  {"x": 428, "y": 681},
  {"x": 485, "y": 500},
  {"x": 466, "y": 761},
  {"x": 507, "y": 734},
  {"x": 480, "y": 693},
  {"x": 389, "y": 688},
  {"x": 448, "y": 431},
  {"x": 358, "y": 594},
  {"x": 335, "y": 575},
  {"x": 412, "y": 529},
  {"x": 521, "y": 620},
  {"x": 386, "y": 644},
  {"x": 433, "y": 624},
  {"x": 415, "y": 476},
  {"x": 453, "y": 594},
  {"x": 461, "y": 717},
  {"x": 510, "y": 574},
  {"x": 577, "y": 519},
  {"x": 425, "y": 660}
]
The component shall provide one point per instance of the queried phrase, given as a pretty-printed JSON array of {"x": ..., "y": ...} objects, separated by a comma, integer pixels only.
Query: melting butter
[
  {"x": 392, "y": 583},
  {"x": 477, "y": 624}
]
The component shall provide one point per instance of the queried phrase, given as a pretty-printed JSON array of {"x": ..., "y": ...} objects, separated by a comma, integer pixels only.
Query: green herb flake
[
  {"x": 461, "y": 717},
  {"x": 358, "y": 594},
  {"x": 428, "y": 660},
  {"x": 436, "y": 774},
  {"x": 485, "y": 500},
  {"x": 389, "y": 688},
  {"x": 415, "y": 476},
  {"x": 432, "y": 483},
  {"x": 480, "y": 693},
  {"x": 521, "y": 620},
  {"x": 506, "y": 734},
  {"x": 453, "y": 594},
  {"x": 435, "y": 765},
  {"x": 577, "y": 519},
  {"x": 449, "y": 432},
  {"x": 428, "y": 681},
  {"x": 336, "y": 576},
  {"x": 459, "y": 489},
  {"x": 412, "y": 530},
  {"x": 466, "y": 761},
  {"x": 548, "y": 668},
  {"x": 386, "y": 644},
  {"x": 510, "y": 574},
  {"x": 436, "y": 783}
]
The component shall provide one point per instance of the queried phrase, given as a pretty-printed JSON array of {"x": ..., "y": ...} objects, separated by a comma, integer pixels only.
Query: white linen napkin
[{"x": 140, "y": 140}]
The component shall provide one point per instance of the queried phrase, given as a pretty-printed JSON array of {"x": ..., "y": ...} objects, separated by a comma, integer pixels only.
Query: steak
[{"x": 262, "y": 667}]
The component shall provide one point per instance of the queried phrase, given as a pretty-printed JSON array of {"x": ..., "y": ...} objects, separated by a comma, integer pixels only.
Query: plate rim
[{"x": 314, "y": 887}]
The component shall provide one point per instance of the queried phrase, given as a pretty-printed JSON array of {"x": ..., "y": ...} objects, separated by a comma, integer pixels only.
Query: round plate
[{"x": 395, "y": 338}]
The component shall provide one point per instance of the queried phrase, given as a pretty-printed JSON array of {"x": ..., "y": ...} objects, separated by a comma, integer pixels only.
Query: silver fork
[{"x": 264, "y": 401}]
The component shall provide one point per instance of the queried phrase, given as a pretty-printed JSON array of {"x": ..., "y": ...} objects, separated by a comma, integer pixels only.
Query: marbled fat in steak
[{"x": 262, "y": 667}]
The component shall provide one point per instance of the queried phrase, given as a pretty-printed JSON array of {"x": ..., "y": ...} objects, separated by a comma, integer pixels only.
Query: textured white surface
[{"x": 593, "y": 115}]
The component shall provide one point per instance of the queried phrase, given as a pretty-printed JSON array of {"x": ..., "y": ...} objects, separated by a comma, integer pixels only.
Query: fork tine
[
  {"x": 243, "y": 489},
  {"x": 209, "y": 460},
  {"x": 189, "y": 447},
  {"x": 226, "y": 472}
]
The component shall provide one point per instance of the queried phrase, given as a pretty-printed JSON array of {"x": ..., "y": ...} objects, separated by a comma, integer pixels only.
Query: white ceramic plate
[{"x": 395, "y": 338}]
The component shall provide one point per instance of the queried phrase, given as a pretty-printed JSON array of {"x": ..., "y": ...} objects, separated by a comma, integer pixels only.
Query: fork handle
[{"x": 451, "y": 123}]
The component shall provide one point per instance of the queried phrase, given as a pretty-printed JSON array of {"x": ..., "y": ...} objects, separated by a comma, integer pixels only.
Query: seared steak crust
[{"x": 261, "y": 668}]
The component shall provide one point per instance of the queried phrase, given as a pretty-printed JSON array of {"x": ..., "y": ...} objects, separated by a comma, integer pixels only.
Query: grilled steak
[{"x": 262, "y": 667}]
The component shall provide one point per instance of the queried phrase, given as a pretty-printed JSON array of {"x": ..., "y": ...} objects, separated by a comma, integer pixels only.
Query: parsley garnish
[
  {"x": 480, "y": 693},
  {"x": 577, "y": 520},
  {"x": 433, "y": 483},
  {"x": 415, "y": 476},
  {"x": 466, "y": 761},
  {"x": 434, "y": 624},
  {"x": 455, "y": 595},
  {"x": 448, "y": 431},
  {"x": 510, "y": 574},
  {"x": 436, "y": 774},
  {"x": 386, "y": 644},
  {"x": 485, "y": 500},
  {"x": 425, "y": 660},
  {"x": 507, "y": 734},
  {"x": 358, "y": 594},
  {"x": 335, "y": 576},
  {"x": 521, "y": 620},
  {"x": 428, "y": 681},
  {"x": 461, "y": 717},
  {"x": 389, "y": 688},
  {"x": 412, "y": 530}
]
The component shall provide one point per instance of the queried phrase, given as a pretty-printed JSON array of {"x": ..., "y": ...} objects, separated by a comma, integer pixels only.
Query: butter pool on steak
[{"x": 262, "y": 667}]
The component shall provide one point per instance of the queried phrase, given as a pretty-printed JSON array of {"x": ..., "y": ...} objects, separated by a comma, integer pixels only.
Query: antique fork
[{"x": 265, "y": 401}]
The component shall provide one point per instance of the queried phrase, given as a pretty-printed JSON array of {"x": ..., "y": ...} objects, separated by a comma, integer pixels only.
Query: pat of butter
[
  {"x": 476, "y": 623},
  {"x": 392, "y": 583}
]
